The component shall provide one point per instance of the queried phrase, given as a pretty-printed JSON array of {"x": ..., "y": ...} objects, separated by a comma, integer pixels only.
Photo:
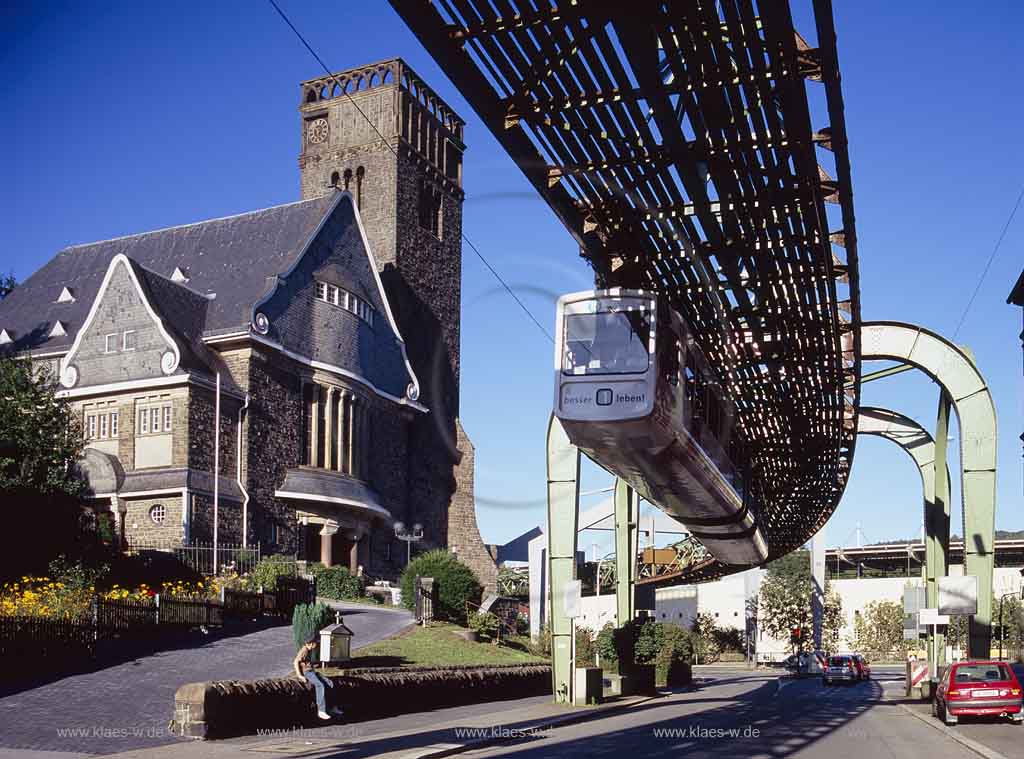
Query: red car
[
  {"x": 863, "y": 668},
  {"x": 984, "y": 688}
]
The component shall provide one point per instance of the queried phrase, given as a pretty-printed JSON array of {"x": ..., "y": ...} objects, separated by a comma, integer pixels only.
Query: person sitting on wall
[{"x": 303, "y": 666}]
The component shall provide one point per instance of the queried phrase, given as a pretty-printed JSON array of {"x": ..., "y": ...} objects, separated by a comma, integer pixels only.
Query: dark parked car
[{"x": 983, "y": 688}]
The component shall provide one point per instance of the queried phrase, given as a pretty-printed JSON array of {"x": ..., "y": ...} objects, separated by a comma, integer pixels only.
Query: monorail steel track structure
[{"x": 675, "y": 142}]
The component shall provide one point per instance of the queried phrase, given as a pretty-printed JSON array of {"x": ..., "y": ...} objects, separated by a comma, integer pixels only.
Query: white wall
[{"x": 597, "y": 612}]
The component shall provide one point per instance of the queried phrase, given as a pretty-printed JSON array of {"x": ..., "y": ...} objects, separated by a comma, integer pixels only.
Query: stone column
[
  {"x": 364, "y": 459},
  {"x": 314, "y": 425},
  {"x": 326, "y": 534},
  {"x": 328, "y": 426},
  {"x": 353, "y": 554},
  {"x": 340, "y": 461},
  {"x": 353, "y": 409}
]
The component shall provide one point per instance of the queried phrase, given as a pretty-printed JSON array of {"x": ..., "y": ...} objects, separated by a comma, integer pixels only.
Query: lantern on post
[{"x": 335, "y": 642}]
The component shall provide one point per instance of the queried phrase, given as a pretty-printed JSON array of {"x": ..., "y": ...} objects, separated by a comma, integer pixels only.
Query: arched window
[
  {"x": 360, "y": 173},
  {"x": 348, "y": 178},
  {"x": 335, "y": 178}
]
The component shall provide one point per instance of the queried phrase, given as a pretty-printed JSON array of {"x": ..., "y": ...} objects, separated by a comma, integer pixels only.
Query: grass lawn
[{"x": 439, "y": 645}]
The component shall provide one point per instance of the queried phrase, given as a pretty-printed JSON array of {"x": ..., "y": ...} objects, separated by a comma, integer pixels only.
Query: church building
[{"x": 289, "y": 376}]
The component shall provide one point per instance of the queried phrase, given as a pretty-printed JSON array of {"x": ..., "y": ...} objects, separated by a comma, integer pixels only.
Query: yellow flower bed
[
  {"x": 43, "y": 597},
  {"x": 46, "y": 597}
]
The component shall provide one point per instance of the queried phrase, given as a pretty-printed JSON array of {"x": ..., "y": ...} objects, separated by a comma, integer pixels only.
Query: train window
[{"x": 607, "y": 343}]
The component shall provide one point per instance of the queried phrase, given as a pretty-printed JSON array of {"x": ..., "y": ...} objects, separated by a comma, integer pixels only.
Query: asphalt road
[
  {"x": 128, "y": 705},
  {"x": 753, "y": 715}
]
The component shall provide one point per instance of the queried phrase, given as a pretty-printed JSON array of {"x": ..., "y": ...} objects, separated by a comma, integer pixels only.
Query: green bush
[
  {"x": 309, "y": 619},
  {"x": 604, "y": 643},
  {"x": 484, "y": 624},
  {"x": 585, "y": 648},
  {"x": 455, "y": 582},
  {"x": 337, "y": 582},
  {"x": 645, "y": 641},
  {"x": 676, "y": 650},
  {"x": 542, "y": 646},
  {"x": 265, "y": 573}
]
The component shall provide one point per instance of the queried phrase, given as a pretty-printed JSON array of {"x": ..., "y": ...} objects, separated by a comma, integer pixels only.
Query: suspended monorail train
[{"x": 634, "y": 392}]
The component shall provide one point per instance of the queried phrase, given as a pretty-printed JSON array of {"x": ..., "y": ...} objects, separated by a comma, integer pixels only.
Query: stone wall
[
  {"x": 201, "y": 432},
  {"x": 463, "y": 533},
  {"x": 274, "y": 431},
  {"x": 139, "y": 525},
  {"x": 229, "y": 520},
  {"x": 230, "y": 708}
]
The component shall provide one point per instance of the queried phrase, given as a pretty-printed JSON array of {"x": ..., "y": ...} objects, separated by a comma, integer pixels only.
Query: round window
[{"x": 158, "y": 513}]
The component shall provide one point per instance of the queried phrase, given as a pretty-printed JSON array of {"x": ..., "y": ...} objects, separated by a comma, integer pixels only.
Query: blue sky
[{"x": 122, "y": 117}]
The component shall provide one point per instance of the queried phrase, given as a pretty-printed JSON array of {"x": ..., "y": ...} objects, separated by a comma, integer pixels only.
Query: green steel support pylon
[{"x": 563, "y": 520}]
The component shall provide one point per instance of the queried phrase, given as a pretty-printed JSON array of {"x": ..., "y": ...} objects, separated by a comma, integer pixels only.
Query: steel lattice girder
[{"x": 675, "y": 144}]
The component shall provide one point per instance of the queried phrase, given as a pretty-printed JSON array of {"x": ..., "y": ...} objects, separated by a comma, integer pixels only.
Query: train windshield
[{"x": 608, "y": 342}]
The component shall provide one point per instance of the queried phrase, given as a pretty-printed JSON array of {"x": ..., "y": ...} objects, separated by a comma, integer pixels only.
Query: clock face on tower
[{"x": 317, "y": 131}]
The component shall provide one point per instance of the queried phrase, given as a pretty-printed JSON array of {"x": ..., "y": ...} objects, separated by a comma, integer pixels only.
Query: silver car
[{"x": 840, "y": 669}]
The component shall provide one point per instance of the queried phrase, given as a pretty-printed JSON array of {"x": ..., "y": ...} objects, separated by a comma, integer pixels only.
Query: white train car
[{"x": 634, "y": 392}]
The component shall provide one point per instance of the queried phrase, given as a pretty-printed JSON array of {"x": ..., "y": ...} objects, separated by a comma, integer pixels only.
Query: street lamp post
[{"x": 410, "y": 537}]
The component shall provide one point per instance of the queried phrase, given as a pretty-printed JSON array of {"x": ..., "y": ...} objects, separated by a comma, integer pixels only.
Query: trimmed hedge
[
  {"x": 227, "y": 708},
  {"x": 265, "y": 573},
  {"x": 455, "y": 582},
  {"x": 337, "y": 583}
]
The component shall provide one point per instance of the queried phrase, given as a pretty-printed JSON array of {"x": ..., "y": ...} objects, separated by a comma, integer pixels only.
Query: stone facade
[
  {"x": 139, "y": 524},
  {"x": 405, "y": 171},
  {"x": 332, "y": 324}
]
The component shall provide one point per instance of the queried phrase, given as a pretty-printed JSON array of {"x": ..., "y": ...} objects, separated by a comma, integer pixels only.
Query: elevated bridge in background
[{"x": 676, "y": 144}]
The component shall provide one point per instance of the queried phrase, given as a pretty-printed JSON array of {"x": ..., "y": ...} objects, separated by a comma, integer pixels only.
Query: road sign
[
  {"x": 572, "y": 599},
  {"x": 958, "y": 595},
  {"x": 932, "y": 617}
]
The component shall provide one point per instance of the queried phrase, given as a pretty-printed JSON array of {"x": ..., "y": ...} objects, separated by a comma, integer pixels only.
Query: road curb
[
  {"x": 541, "y": 724},
  {"x": 978, "y": 748}
]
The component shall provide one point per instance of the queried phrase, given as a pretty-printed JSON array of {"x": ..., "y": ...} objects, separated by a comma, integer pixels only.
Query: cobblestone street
[{"x": 128, "y": 705}]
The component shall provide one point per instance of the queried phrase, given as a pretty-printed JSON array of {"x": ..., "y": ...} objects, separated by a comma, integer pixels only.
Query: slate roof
[{"x": 233, "y": 257}]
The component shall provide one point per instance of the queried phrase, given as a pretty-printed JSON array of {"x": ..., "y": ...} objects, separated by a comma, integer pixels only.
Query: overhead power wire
[
  {"x": 991, "y": 258},
  {"x": 468, "y": 242}
]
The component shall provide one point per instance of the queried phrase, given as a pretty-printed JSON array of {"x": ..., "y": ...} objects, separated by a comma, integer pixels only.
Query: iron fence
[
  {"x": 200, "y": 556},
  {"x": 241, "y": 604},
  {"x": 31, "y": 641}
]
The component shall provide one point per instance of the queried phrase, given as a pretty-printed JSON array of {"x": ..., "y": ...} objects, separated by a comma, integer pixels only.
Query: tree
[
  {"x": 7, "y": 283},
  {"x": 785, "y": 604},
  {"x": 40, "y": 489},
  {"x": 40, "y": 439},
  {"x": 832, "y": 621},
  {"x": 879, "y": 628}
]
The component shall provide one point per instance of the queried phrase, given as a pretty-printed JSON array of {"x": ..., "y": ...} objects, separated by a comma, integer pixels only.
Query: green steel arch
[
  {"x": 918, "y": 443},
  {"x": 953, "y": 369}
]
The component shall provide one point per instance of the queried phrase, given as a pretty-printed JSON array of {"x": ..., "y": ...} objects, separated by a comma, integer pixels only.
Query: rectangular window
[
  {"x": 332, "y": 294},
  {"x": 113, "y": 423},
  {"x": 167, "y": 418},
  {"x": 154, "y": 419},
  {"x": 128, "y": 340},
  {"x": 110, "y": 344},
  {"x": 104, "y": 429},
  {"x": 90, "y": 423},
  {"x": 143, "y": 421},
  {"x": 345, "y": 297},
  {"x": 321, "y": 291}
]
